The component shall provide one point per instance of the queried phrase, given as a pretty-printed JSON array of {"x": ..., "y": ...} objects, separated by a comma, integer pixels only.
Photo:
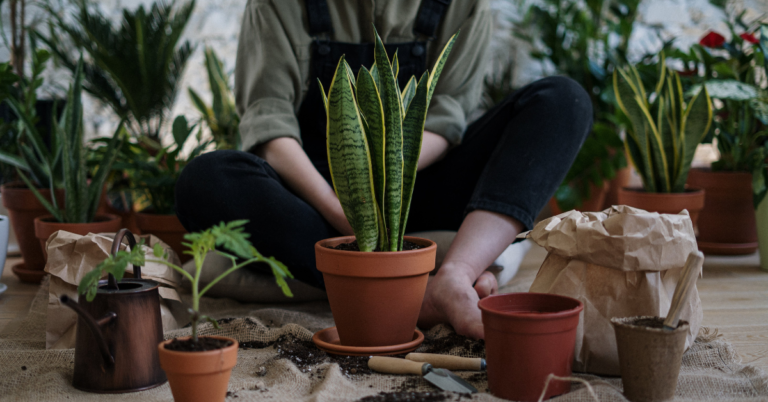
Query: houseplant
[
  {"x": 662, "y": 137},
  {"x": 82, "y": 194},
  {"x": 221, "y": 116},
  {"x": 153, "y": 171},
  {"x": 197, "y": 367},
  {"x": 733, "y": 74},
  {"x": 374, "y": 133}
]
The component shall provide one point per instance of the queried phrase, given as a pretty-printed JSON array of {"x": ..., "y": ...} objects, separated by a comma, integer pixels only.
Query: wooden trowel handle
[
  {"x": 393, "y": 365},
  {"x": 683, "y": 290},
  {"x": 448, "y": 362}
]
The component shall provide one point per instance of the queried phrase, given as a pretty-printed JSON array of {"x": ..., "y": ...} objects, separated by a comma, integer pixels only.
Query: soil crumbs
[
  {"x": 203, "y": 344},
  {"x": 446, "y": 344},
  {"x": 655, "y": 322},
  {"x": 353, "y": 246},
  {"x": 414, "y": 396}
]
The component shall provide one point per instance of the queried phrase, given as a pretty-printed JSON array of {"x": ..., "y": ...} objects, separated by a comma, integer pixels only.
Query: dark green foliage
[{"x": 115, "y": 265}]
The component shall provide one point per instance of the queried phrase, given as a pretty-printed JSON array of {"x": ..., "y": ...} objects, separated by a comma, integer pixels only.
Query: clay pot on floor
[
  {"x": 527, "y": 337},
  {"x": 727, "y": 222},
  {"x": 762, "y": 232},
  {"x": 199, "y": 376},
  {"x": 650, "y": 358},
  {"x": 592, "y": 204},
  {"x": 665, "y": 203},
  {"x": 375, "y": 297},
  {"x": 621, "y": 180},
  {"x": 45, "y": 226},
  {"x": 167, "y": 228},
  {"x": 23, "y": 207}
]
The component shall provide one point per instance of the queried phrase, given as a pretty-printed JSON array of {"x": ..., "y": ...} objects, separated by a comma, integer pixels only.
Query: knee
[{"x": 565, "y": 95}]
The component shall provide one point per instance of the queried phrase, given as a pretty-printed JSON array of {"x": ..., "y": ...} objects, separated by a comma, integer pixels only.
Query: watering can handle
[{"x": 116, "y": 247}]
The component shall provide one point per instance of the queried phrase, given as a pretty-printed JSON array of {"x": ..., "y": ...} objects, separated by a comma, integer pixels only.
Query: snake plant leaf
[
  {"x": 408, "y": 92},
  {"x": 395, "y": 66},
  {"x": 439, "y": 64},
  {"x": 413, "y": 132},
  {"x": 695, "y": 126},
  {"x": 13, "y": 160},
  {"x": 659, "y": 160},
  {"x": 54, "y": 211},
  {"x": 674, "y": 114},
  {"x": 664, "y": 127},
  {"x": 662, "y": 74},
  {"x": 349, "y": 160},
  {"x": 372, "y": 110},
  {"x": 325, "y": 98},
  {"x": 375, "y": 74},
  {"x": 350, "y": 74},
  {"x": 393, "y": 132},
  {"x": 626, "y": 92}
]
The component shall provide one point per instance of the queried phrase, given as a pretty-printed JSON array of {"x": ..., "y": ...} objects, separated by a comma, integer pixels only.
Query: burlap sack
[
  {"x": 621, "y": 262},
  {"x": 71, "y": 256}
]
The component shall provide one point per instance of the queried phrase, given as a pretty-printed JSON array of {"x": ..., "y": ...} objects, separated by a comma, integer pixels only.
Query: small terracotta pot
[
  {"x": 727, "y": 222},
  {"x": 167, "y": 228},
  {"x": 375, "y": 297},
  {"x": 621, "y": 180},
  {"x": 23, "y": 207},
  {"x": 650, "y": 359},
  {"x": 45, "y": 226},
  {"x": 199, "y": 376},
  {"x": 592, "y": 204},
  {"x": 762, "y": 232},
  {"x": 527, "y": 337},
  {"x": 665, "y": 203}
]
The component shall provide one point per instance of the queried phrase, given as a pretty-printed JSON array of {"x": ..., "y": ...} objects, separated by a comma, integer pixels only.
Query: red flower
[
  {"x": 688, "y": 73},
  {"x": 749, "y": 37},
  {"x": 712, "y": 40}
]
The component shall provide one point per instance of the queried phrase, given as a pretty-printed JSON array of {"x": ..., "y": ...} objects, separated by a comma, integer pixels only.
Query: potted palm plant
[
  {"x": 374, "y": 135},
  {"x": 662, "y": 137},
  {"x": 197, "y": 367},
  {"x": 82, "y": 194}
]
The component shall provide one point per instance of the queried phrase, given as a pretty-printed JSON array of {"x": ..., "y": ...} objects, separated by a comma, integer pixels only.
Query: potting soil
[{"x": 278, "y": 362}]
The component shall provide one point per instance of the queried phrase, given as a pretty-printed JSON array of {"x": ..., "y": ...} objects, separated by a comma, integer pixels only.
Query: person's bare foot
[{"x": 451, "y": 298}]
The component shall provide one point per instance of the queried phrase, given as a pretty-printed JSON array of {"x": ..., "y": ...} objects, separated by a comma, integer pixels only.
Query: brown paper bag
[
  {"x": 621, "y": 262},
  {"x": 71, "y": 256}
]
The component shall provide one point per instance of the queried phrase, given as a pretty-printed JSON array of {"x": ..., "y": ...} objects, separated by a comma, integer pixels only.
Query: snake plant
[
  {"x": 665, "y": 130},
  {"x": 374, "y": 133},
  {"x": 221, "y": 116}
]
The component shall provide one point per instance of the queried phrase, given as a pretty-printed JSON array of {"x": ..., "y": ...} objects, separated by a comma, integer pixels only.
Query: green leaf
[
  {"x": 181, "y": 130},
  {"x": 627, "y": 93},
  {"x": 158, "y": 250},
  {"x": 439, "y": 64},
  {"x": 726, "y": 90},
  {"x": 409, "y": 92},
  {"x": 695, "y": 126}
]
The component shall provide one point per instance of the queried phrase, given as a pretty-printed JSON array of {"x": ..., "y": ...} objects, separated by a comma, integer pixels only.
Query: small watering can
[{"x": 118, "y": 333}]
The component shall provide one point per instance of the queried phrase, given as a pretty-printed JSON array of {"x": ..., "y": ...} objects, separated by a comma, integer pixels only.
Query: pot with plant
[
  {"x": 82, "y": 193},
  {"x": 662, "y": 135},
  {"x": 376, "y": 279}
]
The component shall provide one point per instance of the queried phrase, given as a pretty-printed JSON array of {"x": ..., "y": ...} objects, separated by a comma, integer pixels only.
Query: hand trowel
[
  {"x": 691, "y": 272},
  {"x": 441, "y": 378}
]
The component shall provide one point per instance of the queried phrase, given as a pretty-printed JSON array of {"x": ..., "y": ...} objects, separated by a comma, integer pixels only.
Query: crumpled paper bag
[
  {"x": 71, "y": 256},
  {"x": 621, "y": 262}
]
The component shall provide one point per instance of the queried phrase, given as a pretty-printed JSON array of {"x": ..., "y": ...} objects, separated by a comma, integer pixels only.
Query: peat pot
[
  {"x": 45, "y": 226},
  {"x": 529, "y": 336},
  {"x": 167, "y": 228},
  {"x": 665, "y": 203},
  {"x": 375, "y": 297},
  {"x": 727, "y": 222},
  {"x": 762, "y": 232},
  {"x": 199, "y": 376},
  {"x": 649, "y": 357},
  {"x": 23, "y": 207}
]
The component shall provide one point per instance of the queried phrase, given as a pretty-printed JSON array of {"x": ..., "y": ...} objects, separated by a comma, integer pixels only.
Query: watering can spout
[{"x": 94, "y": 325}]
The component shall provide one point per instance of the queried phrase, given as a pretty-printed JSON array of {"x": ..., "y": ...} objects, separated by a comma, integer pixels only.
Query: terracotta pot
[
  {"x": 167, "y": 228},
  {"x": 762, "y": 233},
  {"x": 621, "y": 180},
  {"x": 45, "y": 226},
  {"x": 592, "y": 204},
  {"x": 527, "y": 337},
  {"x": 23, "y": 207},
  {"x": 375, "y": 297},
  {"x": 665, "y": 203},
  {"x": 727, "y": 222},
  {"x": 650, "y": 359},
  {"x": 199, "y": 376}
]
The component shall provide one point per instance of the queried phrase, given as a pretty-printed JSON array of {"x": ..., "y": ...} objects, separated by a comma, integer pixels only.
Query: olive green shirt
[{"x": 272, "y": 73}]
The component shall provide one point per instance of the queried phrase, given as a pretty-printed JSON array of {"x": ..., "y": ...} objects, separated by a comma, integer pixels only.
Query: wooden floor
[{"x": 733, "y": 290}]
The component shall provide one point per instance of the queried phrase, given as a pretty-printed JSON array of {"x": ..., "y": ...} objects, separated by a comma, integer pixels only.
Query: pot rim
[
  {"x": 320, "y": 246},
  {"x": 235, "y": 345},
  {"x": 689, "y": 192},
  {"x": 44, "y": 220},
  {"x": 544, "y": 316},
  {"x": 623, "y": 322}
]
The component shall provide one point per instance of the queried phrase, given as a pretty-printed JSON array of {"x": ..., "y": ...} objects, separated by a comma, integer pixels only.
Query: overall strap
[
  {"x": 429, "y": 16},
  {"x": 319, "y": 17}
]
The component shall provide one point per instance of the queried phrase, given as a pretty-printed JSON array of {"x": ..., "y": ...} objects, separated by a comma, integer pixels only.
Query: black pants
[{"x": 511, "y": 161}]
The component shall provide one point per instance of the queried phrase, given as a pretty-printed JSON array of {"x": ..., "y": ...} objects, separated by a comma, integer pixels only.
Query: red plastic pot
[
  {"x": 529, "y": 336},
  {"x": 375, "y": 297}
]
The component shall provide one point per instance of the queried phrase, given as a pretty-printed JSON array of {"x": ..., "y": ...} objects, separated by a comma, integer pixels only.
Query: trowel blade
[{"x": 448, "y": 381}]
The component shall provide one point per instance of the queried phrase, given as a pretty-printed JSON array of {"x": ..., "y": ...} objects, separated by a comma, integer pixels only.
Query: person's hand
[
  {"x": 451, "y": 298},
  {"x": 334, "y": 214}
]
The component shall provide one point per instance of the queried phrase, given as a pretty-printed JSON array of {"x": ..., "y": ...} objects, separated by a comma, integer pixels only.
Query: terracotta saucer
[
  {"x": 727, "y": 248},
  {"x": 28, "y": 275},
  {"x": 328, "y": 341}
]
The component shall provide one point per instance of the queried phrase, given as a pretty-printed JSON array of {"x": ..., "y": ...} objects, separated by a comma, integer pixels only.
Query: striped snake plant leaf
[
  {"x": 439, "y": 64},
  {"x": 350, "y": 74},
  {"x": 674, "y": 91},
  {"x": 413, "y": 133},
  {"x": 408, "y": 92},
  {"x": 395, "y": 66},
  {"x": 369, "y": 101},
  {"x": 660, "y": 166},
  {"x": 695, "y": 125},
  {"x": 626, "y": 98},
  {"x": 393, "y": 153},
  {"x": 349, "y": 160},
  {"x": 375, "y": 74},
  {"x": 325, "y": 98},
  {"x": 664, "y": 125}
]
